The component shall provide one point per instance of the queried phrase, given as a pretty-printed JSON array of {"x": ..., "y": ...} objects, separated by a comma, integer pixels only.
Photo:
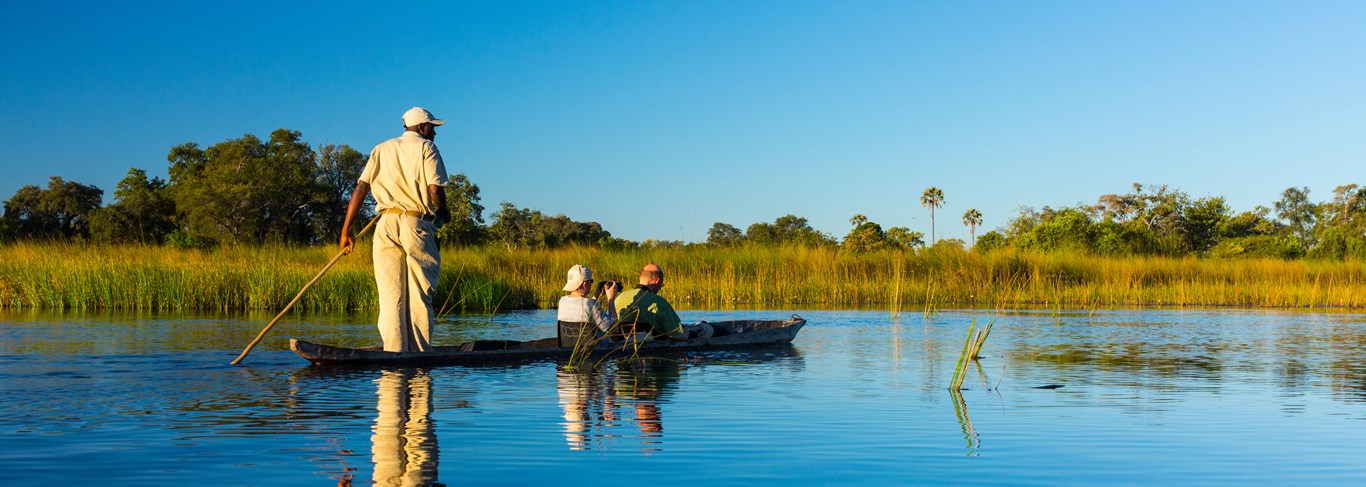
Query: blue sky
[{"x": 658, "y": 119}]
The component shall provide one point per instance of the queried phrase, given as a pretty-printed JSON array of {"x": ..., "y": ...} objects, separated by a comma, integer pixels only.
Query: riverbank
[{"x": 490, "y": 279}]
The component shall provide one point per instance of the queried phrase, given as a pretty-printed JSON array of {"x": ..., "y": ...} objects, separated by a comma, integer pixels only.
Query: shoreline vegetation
[
  {"x": 491, "y": 278},
  {"x": 236, "y": 227}
]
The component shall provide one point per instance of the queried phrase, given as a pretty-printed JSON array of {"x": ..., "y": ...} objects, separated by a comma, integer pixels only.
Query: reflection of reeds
[
  {"x": 896, "y": 288},
  {"x": 972, "y": 349},
  {"x": 54, "y": 275},
  {"x": 588, "y": 342},
  {"x": 960, "y": 409}
]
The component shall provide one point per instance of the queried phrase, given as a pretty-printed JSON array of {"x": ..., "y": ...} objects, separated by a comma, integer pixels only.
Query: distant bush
[
  {"x": 1257, "y": 246},
  {"x": 1339, "y": 243},
  {"x": 989, "y": 241}
]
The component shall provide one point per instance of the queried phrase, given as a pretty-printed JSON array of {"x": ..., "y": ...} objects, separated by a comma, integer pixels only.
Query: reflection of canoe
[{"x": 728, "y": 334}]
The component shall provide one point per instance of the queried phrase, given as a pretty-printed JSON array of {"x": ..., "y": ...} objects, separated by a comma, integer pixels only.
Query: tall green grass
[
  {"x": 490, "y": 278},
  {"x": 225, "y": 279}
]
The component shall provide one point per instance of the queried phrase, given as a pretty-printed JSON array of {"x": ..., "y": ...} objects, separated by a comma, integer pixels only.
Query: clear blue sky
[{"x": 658, "y": 119}]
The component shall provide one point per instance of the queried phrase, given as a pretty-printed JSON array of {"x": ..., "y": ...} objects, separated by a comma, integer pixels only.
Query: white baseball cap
[
  {"x": 418, "y": 115},
  {"x": 577, "y": 275}
]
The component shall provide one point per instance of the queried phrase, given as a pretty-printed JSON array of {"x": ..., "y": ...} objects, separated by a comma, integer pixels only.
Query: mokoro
[{"x": 730, "y": 334}]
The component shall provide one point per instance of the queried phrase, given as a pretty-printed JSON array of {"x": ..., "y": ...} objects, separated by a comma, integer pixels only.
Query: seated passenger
[
  {"x": 642, "y": 309},
  {"x": 579, "y": 313}
]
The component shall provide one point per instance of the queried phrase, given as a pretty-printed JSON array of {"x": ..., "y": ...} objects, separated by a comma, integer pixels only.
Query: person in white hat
[
  {"x": 578, "y": 313},
  {"x": 408, "y": 179}
]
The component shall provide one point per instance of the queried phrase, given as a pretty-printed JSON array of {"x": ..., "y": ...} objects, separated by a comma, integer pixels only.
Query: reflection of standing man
[
  {"x": 404, "y": 438},
  {"x": 408, "y": 179}
]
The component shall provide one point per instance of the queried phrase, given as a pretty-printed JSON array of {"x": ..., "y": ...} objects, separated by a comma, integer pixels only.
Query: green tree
[
  {"x": 1152, "y": 219},
  {"x": 990, "y": 241},
  {"x": 858, "y": 219},
  {"x": 972, "y": 218},
  {"x": 1298, "y": 213},
  {"x": 1068, "y": 229},
  {"x": 868, "y": 236},
  {"x": 467, "y": 214},
  {"x": 724, "y": 235},
  {"x": 142, "y": 212},
  {"x": 933, "y": 198},
  {"x": 902, "y": 237},
  {"x": 246, "y": 190},
  {"x": 515, "y": 227},
  {"x": 1347, "y": 211},
  {"x": 787, "y": 230},
  {"x": 8, "y": 232},
  {"x": 1113, "y": 238},
  {"x": 1337, "y": 243},
  {"x": 338, "y": 167},
  {"x": 1156, "y": 207},
  {"x": 60, "y": 211},
  {"x": 1250, "y": 223},
  {"x": 949, "y": 245},
  {"x": 1201, "y": 221}
]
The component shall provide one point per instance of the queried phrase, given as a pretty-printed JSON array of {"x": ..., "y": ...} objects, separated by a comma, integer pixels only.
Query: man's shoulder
[
  {"x": 388, "y": 143},
  {"x": 407, "y": 138},
  {"x": 625, "y": 298},
  {"x": 650, "y": 298}
]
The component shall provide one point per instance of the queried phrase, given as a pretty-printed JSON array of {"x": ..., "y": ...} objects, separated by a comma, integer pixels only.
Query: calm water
[{"x": 1149, "y": 397}]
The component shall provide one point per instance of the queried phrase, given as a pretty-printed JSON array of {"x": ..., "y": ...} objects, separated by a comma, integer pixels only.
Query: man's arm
[
  {"x": 357, "y": 198},
  {"x": 438, "y": 194}
]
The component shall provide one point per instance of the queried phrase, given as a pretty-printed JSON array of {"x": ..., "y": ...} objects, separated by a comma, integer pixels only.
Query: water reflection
[
  {"x": 960, "y": 409},
  {"x": 629, "y": 398},
  {"x": 403, "y": 443},
  {"x": 625, "y": 394}
]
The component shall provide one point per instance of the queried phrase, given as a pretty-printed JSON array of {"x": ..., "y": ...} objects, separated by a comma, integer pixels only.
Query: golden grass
[{"x": 490, "y": 278}]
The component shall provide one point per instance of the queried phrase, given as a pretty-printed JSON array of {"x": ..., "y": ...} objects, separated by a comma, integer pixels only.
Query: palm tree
[
  {"x": 932, "y": 199},
  {"x": 972, "y": 218},
  {"x": 858, "y": 219}
]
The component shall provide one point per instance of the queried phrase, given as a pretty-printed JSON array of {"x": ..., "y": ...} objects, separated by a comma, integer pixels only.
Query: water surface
[{"x": 1148, "y": 397}]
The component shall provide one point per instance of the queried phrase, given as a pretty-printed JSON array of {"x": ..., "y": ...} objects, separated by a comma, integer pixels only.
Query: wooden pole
[{"x": 329, "y": 265}]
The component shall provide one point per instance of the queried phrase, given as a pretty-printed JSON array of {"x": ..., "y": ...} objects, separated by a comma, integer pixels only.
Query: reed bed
[
  {"x": 225, "y": 279},
  {"x": 491, "y": 278}
]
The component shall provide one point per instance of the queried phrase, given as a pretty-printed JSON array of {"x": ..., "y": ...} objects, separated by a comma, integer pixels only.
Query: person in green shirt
[{"x": 643, "y": 309}]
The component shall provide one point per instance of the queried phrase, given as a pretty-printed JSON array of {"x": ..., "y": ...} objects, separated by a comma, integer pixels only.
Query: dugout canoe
[{"x": 729, "y": 335}]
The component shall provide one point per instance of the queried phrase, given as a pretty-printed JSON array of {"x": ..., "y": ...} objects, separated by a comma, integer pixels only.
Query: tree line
[
  {"x": 282, "y": 190},
  {"x": 252, "y": 191},
  {"x": 1158, "y": 220}
]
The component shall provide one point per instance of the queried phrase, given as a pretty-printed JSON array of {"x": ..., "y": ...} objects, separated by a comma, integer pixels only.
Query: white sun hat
[
  {"x": 417, "y": 115},
  {"x": 577, "y": 275}
]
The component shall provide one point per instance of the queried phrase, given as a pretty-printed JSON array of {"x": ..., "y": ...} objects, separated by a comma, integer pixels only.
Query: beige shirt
[
  {"x": 580, "y": 309},
  {"x": 399, "y": 171}
]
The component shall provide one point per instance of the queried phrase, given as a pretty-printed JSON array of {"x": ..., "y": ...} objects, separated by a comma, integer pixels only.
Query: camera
[{"x": 605, "y": 285}]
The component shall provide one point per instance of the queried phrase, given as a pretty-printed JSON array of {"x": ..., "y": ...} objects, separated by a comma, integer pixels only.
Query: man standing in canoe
[{"x": 408, "y": 179}]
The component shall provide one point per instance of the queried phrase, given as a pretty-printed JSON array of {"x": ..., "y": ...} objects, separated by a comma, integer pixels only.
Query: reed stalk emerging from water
[
  {"x": 587, "y": 343},
  {"x": 972, "y": 349}
]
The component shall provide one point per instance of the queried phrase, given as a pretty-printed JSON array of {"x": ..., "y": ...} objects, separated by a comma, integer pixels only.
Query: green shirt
[{"x": 642, "y": 306}]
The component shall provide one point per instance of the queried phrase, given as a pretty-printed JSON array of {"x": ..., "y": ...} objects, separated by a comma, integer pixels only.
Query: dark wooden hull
[{"x": 737, "y": 334}]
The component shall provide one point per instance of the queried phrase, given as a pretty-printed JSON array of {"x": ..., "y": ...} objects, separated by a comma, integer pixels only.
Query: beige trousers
[{"x": 407, "y": 262}]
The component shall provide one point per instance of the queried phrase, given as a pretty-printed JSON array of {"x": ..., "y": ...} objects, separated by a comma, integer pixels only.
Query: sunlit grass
[
  {"x": 230, "y": 278},
  {"x": 492, "y": 278}
]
